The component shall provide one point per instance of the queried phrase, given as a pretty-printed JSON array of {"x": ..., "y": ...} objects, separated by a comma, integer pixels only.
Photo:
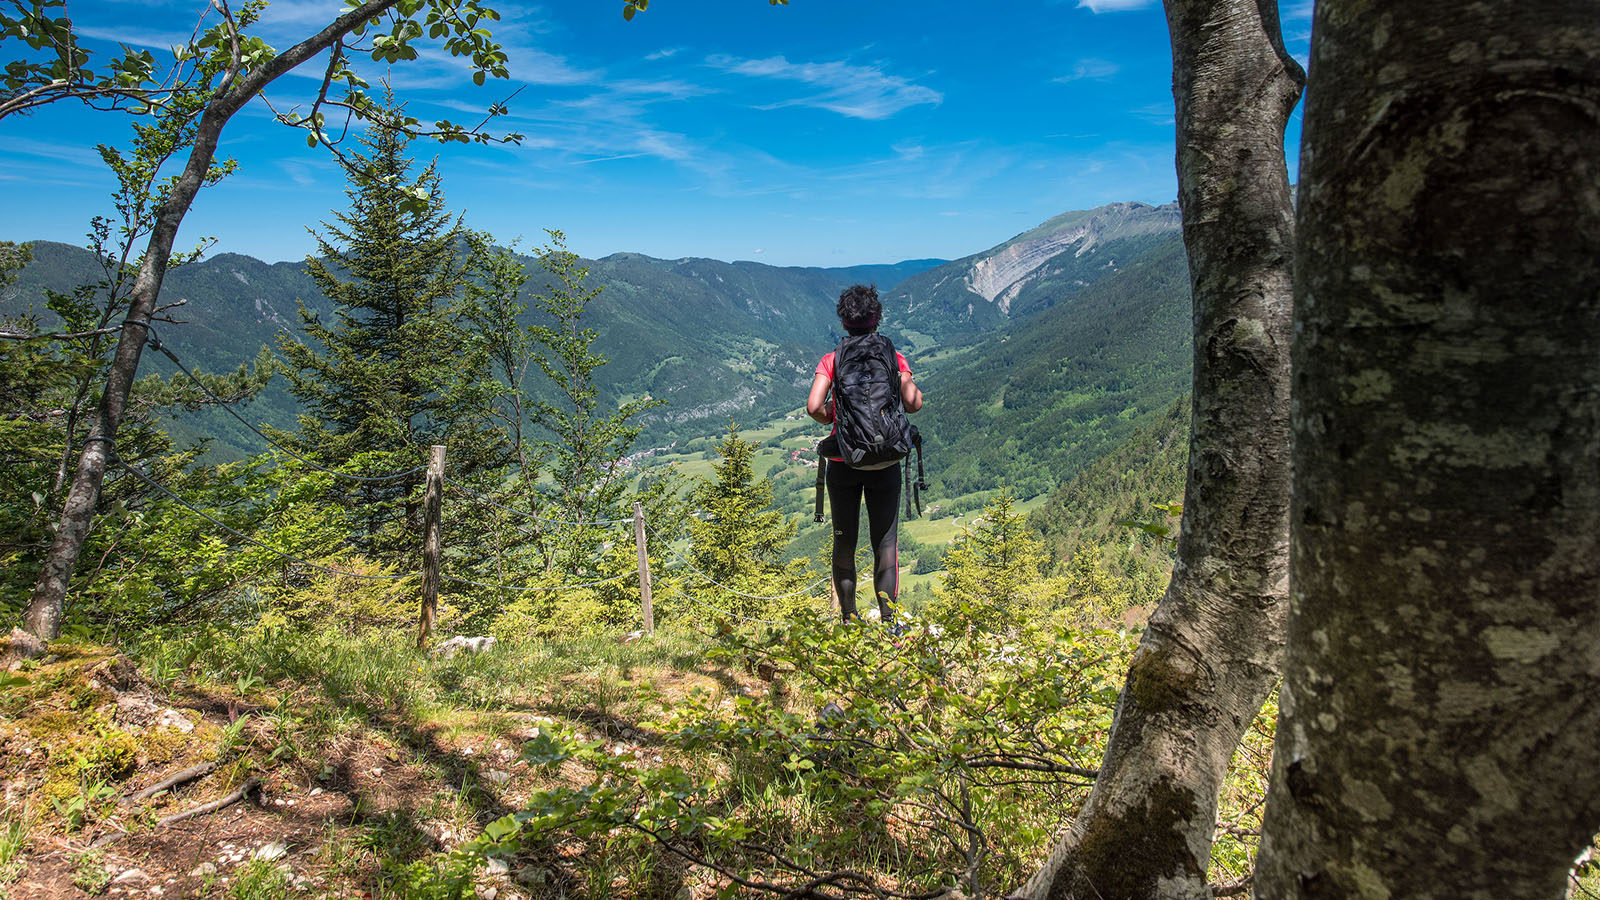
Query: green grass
[{"x": 15, "y": 826}]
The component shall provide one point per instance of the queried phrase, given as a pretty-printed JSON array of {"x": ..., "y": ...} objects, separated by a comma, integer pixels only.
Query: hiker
[{"x": 862, "y": 460}]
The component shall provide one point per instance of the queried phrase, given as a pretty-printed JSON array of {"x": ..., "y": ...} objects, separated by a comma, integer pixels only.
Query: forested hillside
[
  {"x": 1089, "y": 340},
  {"x": 714, "y": 339},
  {"x": 1035, "y": 402}
]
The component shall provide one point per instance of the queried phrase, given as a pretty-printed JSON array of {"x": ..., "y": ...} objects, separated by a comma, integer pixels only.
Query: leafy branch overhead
[{"x": 55, "y": 65}]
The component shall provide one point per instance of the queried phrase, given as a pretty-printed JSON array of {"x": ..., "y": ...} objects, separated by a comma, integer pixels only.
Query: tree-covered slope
[
  {"x": 714, "y": 339},
  {"x": 1122, "y": 486},
  {"x": 1033, "y": 403}
]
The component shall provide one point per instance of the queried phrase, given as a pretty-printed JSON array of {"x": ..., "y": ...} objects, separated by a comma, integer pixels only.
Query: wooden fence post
[
  {"x": 431, "y": 527},
  {"x": 644, "y": 570}
]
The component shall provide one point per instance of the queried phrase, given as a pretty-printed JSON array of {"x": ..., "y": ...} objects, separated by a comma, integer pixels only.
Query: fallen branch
[
  {"x": 183, "y": 777},
  {"x": 244, "y": 790}
]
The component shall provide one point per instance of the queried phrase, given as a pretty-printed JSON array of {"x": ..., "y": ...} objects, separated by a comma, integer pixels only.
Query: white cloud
[
  {"x": 663, "y": 53},
  {"x": 1104, "y": 6},
  {"x": 1155, "y": 113},
  {"x": 860, "y": 92},
  {"x": 1091, "y": 69},
  {"x": 137, "y": 37}
]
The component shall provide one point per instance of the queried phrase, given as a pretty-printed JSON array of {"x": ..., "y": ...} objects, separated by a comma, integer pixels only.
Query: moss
[
  {"x": 1123, "y": 856},
  {"x": 113, "y": 754},
  {"x": 1159, "y": 681}
]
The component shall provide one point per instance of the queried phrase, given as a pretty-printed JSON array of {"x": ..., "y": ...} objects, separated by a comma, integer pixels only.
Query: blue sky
[{"x": 827, "y": 132}]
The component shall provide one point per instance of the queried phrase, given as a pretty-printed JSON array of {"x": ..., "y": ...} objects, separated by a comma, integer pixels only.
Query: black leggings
[{"x": 881, "y": 487}]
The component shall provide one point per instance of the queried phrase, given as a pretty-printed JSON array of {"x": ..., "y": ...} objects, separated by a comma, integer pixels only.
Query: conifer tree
[
  {"x": 992, "y": 566},
  {"x": 584, "y": 447},
  {"x": 741, "y": 539},
  {"x": 397, "y": 369}
]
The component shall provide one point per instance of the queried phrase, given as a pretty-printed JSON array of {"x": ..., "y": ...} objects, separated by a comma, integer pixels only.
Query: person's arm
[
  {"x": 910, "y": 394},
  {"x": 817, "y": 405}
]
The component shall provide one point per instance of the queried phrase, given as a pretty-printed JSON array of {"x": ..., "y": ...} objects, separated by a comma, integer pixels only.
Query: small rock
[
  {"x": 272, "y": 851},
  {"x": 131, "y": 877},
  {"x": 315, "y": 792},
  {"x": 204, "y": 870},
  {"x": 171, "y": 718},
  {"x": 488, "y": 893},
  {"x": 459, "y": 644},
  {"x": 495, "y": 776},
  {"x": 157, "y": 891},
  {"x": 497, "y": 866},
  {"x": 20, "y": 646},
  {"x": 630, "y": 637}
]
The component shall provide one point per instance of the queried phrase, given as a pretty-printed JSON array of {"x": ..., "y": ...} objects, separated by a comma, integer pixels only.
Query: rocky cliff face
[
  {"x": 1031, "y": 271},
  {"x": 1000, "y": 276}
]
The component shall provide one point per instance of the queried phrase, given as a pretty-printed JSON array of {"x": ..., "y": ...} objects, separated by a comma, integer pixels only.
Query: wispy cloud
[
  {"x": 1105, "y": 6},
  {"x": 663, "y": 53},
  {"x": 62, "y": 153},
  {"x": 1090, "y": 68},
  {"x": 137, "y": 37},
  {"x": 612, "y": 158},
  {"x": 1155, "y": 113},
  {"x": 857, "y": 91}
]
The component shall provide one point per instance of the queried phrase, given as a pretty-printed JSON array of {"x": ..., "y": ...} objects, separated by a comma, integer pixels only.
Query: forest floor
[{"x": 370, "y": 759}]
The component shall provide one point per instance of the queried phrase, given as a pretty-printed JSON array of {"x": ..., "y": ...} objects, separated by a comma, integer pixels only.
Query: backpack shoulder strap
[{"x": 892, "y": 360}]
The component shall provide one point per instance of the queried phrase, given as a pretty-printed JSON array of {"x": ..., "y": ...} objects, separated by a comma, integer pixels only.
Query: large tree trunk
[
  {"x": 1211, "y": 653},
  {"x": 43, "y": 615},
  {"x": 1439, "y": 712}
]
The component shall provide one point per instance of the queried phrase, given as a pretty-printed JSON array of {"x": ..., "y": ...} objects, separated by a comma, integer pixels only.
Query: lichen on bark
[{"x": 1446, "y": 597}]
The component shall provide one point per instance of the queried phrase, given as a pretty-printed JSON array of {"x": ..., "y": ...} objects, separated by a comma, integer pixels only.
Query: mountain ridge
[{"x": 1090, "y": 341}]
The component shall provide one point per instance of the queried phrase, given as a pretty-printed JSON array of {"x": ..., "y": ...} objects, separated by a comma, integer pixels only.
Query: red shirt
[{"x": 825, "y": 369}]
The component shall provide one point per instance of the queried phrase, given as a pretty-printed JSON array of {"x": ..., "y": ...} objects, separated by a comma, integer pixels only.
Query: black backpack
[
  {"x": 870, "y": 426},
  {"x": 868, "y": 415}
]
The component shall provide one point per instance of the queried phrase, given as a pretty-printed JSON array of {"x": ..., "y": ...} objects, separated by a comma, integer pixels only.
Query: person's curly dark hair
[{"x": 859, "y": 309}]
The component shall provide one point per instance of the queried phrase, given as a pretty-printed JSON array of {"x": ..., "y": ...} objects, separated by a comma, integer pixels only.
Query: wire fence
[
  {"x": 707, "y": 578},
  {"x": 163, "y": 489},
  {"x": 717, "y": 609},
  {"x": 155, "y": 343},
  {"x": 684, "y": 564},
  {"x": 489, "y": 501}
]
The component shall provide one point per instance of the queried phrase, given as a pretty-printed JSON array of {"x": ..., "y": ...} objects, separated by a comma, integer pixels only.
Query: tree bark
[
  {"x": 42, "y": 618},
  {"x": 1212, "y": 650},
  {"x": 1437, "y": 736},
  {"x": 432, "y": 526}
]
